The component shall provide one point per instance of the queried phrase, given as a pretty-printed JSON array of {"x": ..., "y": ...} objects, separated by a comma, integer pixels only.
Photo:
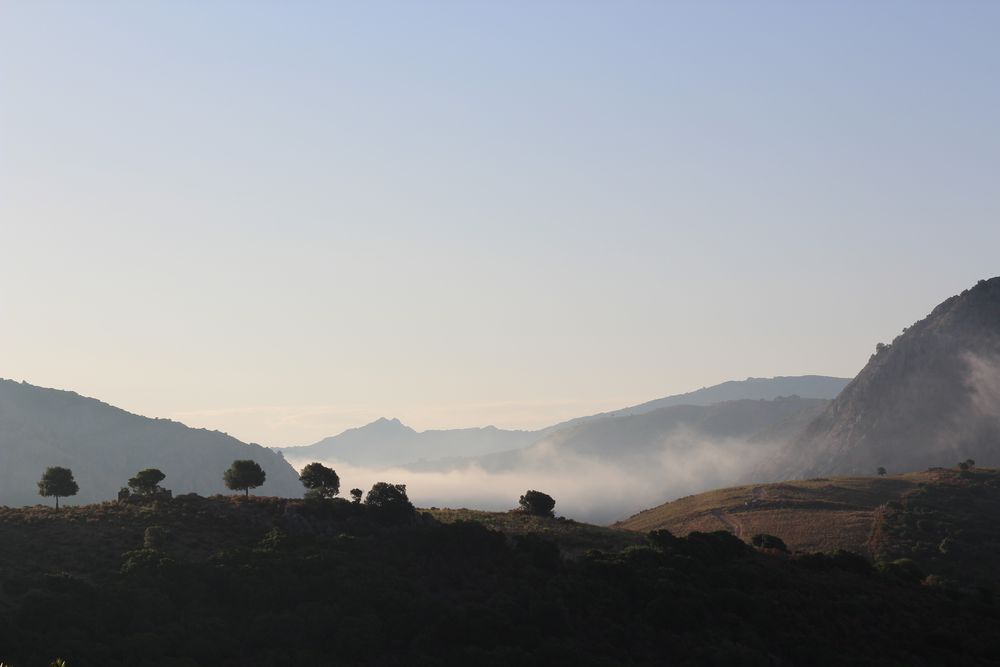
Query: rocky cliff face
[{"x": 930, "y": 398}]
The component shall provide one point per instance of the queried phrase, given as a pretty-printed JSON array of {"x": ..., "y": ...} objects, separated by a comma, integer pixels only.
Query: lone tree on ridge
[
  {"x": 57, "y": 482},
  {"x": 537, "y": 503},
  {"x": 146, "y": 481},
  {"x": 321, "y": 481},
  {"x": 244, "y": 475}
]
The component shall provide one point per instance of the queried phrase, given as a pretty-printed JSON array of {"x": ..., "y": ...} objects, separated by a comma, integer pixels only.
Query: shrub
[
  {"x": 537, "y": 503},
  {"x": 901, "y": 569},
  {"x": 765, "y": 541},
  {"x": 390, "y": 500},
  {"x": 146, "y": 481}
]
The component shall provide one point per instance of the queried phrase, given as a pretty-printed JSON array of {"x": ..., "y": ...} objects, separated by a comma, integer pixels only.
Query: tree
[
  {"x": 146, "y": 481},
  {"x": 390, "y": 500},
  {"x": 321, "y": 481},
  {"x": 57, "y": 482},
  {"x": 244, "y": 475},
  {"x": 765, "y": 541},
  {"x": 356, "y": 495},
  {"x": 537, "y": 503},
  {"x": 967, "y": 464},
  {"x": 880, "y": 472}
]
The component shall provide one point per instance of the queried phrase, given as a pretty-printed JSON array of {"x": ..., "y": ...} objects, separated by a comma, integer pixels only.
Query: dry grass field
[{"x": 810, "y": 515}]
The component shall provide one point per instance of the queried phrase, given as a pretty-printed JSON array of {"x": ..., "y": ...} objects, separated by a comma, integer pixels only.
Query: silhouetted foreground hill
[
  {"x": 277, "y": 582},
  {"x": 946, "y": 520},
  {"x": 930, "y": 398},
  {"x": 105, "y": 446}
]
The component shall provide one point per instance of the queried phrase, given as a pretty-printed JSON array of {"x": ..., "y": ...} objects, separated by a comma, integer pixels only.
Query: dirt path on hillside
[{"x": 731, "y": 522}]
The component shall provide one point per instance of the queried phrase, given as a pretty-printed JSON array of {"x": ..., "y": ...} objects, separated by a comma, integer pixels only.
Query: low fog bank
[{"x": 585, "y": 489}]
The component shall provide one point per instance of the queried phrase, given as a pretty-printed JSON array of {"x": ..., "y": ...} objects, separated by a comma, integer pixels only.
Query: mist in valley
[{"x": 585, "y": 488}]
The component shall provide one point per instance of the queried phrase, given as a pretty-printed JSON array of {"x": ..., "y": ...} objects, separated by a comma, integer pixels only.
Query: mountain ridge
[
  {"x": 105, "y": 445},
  {"x": 929, "y": 398},
  {"x": 401, "y": 445}
]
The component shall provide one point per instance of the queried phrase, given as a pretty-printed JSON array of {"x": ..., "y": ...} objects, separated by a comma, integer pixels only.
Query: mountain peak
[
  {"x": 388, "y": 423},
  {"x": 929, "y": 398}
]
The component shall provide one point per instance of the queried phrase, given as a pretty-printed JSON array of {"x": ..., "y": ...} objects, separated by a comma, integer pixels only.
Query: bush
[
  {"x": 537, "y": 503},
  {"x": 390, "y": 501},
  {"x": 765, "y": 541},
  {"x": 901, "y": 569}
]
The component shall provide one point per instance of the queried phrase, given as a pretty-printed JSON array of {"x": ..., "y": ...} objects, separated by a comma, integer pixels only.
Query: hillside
[
  {"x": 227, "y": 581},
  {"x": 944, "y": 519},
  {"x": 631, "y": 442},
  {"x": 105, "y": 446},
  {"x": 756, "y": 389},
  {"x": 930, "y": 398}
]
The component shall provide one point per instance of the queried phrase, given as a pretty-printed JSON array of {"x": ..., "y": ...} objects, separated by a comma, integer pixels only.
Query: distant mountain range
[
  {"x": 387, "y": 442},
  {"x": 930, "y": 398},
  {"x": 105, "y": 446}
]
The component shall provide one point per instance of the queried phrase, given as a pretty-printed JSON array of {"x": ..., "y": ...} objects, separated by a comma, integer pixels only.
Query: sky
[{"x": 281, "y": 220}]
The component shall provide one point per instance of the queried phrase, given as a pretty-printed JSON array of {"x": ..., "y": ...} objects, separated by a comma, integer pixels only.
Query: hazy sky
[{"x": 285, "y": 219}]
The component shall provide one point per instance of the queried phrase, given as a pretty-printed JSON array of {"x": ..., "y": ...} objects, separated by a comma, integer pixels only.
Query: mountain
[
  {"x": 105, "y": 446},
  {"x": 388, "y": 442},
  {"x": 675, "y": 431},
  {"x": 809, "y": 386},
  {"x": 930, "y": 398}
]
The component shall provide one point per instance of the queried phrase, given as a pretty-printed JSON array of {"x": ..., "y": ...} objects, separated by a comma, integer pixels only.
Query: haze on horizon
[{"x": 282, "y": 224}]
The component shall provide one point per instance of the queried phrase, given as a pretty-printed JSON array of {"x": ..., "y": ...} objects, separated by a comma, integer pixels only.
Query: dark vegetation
[
  {"x": 321, "y": 481},
  {"x": 57, "y": 483},
  {"x": 537, "y": 503},
  {"x": 146, "y": 482},
  {"x": 244, "y": 475},
  {"x": 268, "y": 581},
  {"x": 948, "y": 528}
]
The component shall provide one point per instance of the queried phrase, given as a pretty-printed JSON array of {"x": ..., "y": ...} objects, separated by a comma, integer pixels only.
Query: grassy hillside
[
  {"x": 230, "y": 581},
  {"x": 944, "y": 519}
]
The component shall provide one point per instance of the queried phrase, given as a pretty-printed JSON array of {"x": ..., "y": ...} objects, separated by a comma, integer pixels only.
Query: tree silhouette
[
  {"x": 321, "y": 481},
  {"x": 390, "y": 500},
  {"x": 356, "y": 495},
  {"x": 881, "y": 471},
  {"x": 244, "y": 475},
  {"x": 537, "y": 503},
  {"x": 146, "y": 481},
  {"x": 57, "y": 482}
]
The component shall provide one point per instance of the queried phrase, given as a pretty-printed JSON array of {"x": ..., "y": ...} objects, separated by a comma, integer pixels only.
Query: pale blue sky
[{"x": 285, "y": 219}]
